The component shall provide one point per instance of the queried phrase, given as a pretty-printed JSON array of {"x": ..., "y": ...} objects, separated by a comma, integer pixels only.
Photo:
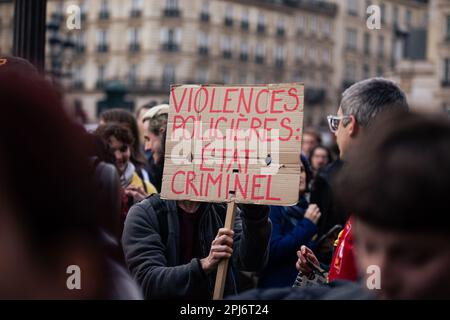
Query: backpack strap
[{"x": 161, "y": 212}]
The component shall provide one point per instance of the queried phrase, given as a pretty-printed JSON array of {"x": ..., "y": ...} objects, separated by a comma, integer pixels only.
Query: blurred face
[
  {"x": 302, "y": 185},
  {"x": 122, "y": 154},
  {"x": 140, "y": 124},
  {"x": 342, "y": 135},
  {"x": 308, "y": 143},
  {"x": 152, "y": 143},
  {"x": 413, "y": 265},
  {"x": 319, "y": 159}
]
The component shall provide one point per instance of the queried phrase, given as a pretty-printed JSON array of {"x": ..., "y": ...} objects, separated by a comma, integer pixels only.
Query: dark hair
[
  {"x": 125, "y": 117},
  {"x": 146, "y": 106},
  {"x": 313, "y": 132},
  {"x": 330, "y": 159},
  {"x": 398, "y": 176},
  {"x": 308, "y": 171},
  {"x": 41, "y": 147},
  {"x": 365, "y": 99},
  {"x": 116, "y": 130}
]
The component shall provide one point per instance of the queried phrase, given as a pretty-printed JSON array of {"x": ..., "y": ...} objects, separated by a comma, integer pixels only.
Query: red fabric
[{"x": 343, "y": 265}]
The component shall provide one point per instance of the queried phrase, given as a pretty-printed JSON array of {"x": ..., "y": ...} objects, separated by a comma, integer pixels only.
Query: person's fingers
[
  {"x": 221, "y": 255},
  {"x": 225, "y": 231},
  {"x": 224, "y": 239},
  {"x": 221, "y": 248},
  {"x": 313, "y": 258}
]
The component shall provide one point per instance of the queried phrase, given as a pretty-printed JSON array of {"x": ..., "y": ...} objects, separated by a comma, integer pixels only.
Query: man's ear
[
  {"x": 162, "y": 130},
  {"x": 353, "y": 127}
]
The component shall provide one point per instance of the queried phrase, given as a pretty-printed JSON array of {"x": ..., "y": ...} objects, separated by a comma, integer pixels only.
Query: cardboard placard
[{"x": 234, "y": 143}]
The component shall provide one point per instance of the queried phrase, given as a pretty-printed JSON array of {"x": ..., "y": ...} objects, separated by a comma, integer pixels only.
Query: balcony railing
[
  {"x": 170, "y": 46},
  {"x": 259, "y": 59},
  {"x": 280, "y": 32},
  {"x": 172, "y": 13},
  {"x": 227, "y": 54},
  {"x": 134, "y": 47},
  {"x": 203, "y": 51},
  {"x": 261, "y": 28},
  {"x": 445, "y": 83},
  {"x": 228, "y": 22},
  {"x": 103, "y": 15},
  {"x": 135, "y": 13},
  {"x": 204, "y": 17},
  {"x": 102, "y": 48}
]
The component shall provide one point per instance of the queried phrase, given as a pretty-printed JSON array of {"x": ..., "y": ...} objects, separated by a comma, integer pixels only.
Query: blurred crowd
[{"x": 372, "y": 220}]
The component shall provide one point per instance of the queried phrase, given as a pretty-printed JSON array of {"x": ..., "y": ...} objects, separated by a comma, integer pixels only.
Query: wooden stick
[{"x": 223, "y": 265}]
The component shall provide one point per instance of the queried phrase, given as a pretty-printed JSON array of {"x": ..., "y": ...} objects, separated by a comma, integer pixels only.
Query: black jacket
[
  {"x": 322, "y": 195},
  {"x": 155, "y": 265}
]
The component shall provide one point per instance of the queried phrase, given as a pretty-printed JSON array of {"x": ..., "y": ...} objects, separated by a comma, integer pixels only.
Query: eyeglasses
[{"x": 333, "y": 121}]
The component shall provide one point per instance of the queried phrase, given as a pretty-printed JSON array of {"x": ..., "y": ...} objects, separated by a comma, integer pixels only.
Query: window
[
  {"x": 380, "y": 71},
  {"x": 396, "y": 15},
  {"x": 352, "y": 36},
  {"x": 101, "y": 75},
  {"x": 244, "y": 51},
  {"x": 279, "y": 56},
  {"x": 228, "y": 16},
  {"x": 244, "y": 19},
  {"x": 132, "y": 75},
  {"x": 280, "y": 27},
  {"x": 78, "y": 77},
  {"x": 102, "y": 41},
  {"x": 203, "y": 43},
  {"x": 83, "y": 10},
  {"x": 352, "y": 7},
  {"x": 312, "y": 54},
  {"x": 242, "y": 78},
  {"x": 408, "y": 18},
  {"x": 366, "y": 71},
  {"x": 168, "y": 76},
  {"x": 366, "y": 43},
  {"x": 170, "y": 39},
  {"x": 313, "y": 24},
  {"x": 326, "y": 28},
  {"x": 172, "y": 9},
  {"x": 300, "y": 52},
  {"x": 381, "y": 46},
  {"x": 300, "y": 24},
  {"x": 202, "y": 75},
  {"x": 446, "y": 80},
  {"x": 80, "y": 42},
  {"x": 447, "y": 27},
  {"x": 326, "y": 56},
  {"x": 350, "y": 71},
  {"x": 204, "y": 13},
  {"x": 226, "y": 77},
  {"x": 261, "y": 27},
  {"x": 383, "y": 13},
  {"x": 136, "y": 8},
  {"x": 226, "y": 47},
  {"x": 259, "y": 53},
  {"x": 172, "y": 4},
  {"x": 104, "y": 11},
  {"x": 133, "y": 39}
]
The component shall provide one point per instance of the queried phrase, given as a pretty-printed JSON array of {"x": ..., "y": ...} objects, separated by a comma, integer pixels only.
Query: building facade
[{"x": 439, "y": 50}]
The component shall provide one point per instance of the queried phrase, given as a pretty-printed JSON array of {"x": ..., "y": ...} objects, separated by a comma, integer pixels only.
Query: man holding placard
[{"x": 224, "y": 145}]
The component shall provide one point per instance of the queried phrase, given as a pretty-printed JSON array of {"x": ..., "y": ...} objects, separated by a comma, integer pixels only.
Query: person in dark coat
[
  {"x": 292, "y": 227},
  {"x": 172, "y": 248}
]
